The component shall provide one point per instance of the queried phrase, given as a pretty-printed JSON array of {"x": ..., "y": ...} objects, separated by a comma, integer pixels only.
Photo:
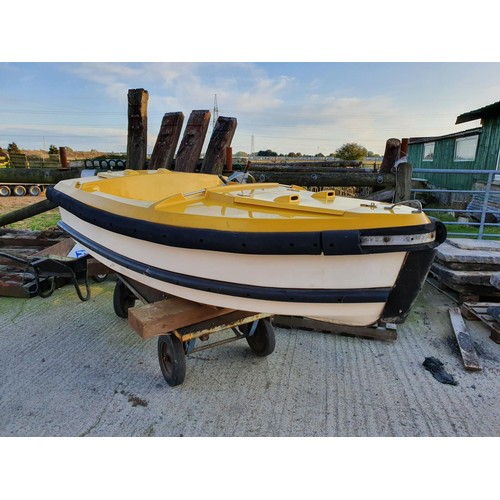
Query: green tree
[
  {"x": 351, "y": 151},
  {"x": 267, "y": 152},
  {"x": 53, "y": 150},
  {"x": 12, "y": 148}
]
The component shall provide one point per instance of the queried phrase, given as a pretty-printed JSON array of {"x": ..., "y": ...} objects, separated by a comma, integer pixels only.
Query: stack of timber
[{"x": 466, "y": 266}]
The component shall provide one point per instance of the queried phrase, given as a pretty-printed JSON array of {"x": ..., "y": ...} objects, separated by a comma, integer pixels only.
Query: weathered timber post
[
  {"x": 229, "y": 159},
  {"x": 63, "y": 158},
  {"x": 166, "y": 142},
  {"x": 137, "y": 128},
  {"x": 189, "y": 150},
  {"x": 404, "y": 148},
  {"x": 223, "y": 133},
  {"x": 403, "y": 182},
  {"x": 26, "y": 212},
  {"x": 391, "y": 155}
]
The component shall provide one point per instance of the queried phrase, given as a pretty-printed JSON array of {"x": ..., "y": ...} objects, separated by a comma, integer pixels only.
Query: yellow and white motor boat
[{"x": 260, "y": 247}]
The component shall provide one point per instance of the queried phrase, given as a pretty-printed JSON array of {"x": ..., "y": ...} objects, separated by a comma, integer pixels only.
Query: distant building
[{"x": 475, "y": 149}]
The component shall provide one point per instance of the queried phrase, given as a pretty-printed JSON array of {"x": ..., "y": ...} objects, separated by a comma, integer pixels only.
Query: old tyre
[
  {"x": 172, "y": 359},
  {"x": 99, "y": 278},
  {"x": 34, "y": 190},
  {"x": 263, "y": 341},
  {"x": 19, "y": 190},
  {"x": 123, "y": 300},
  {"x": 4, "y": 191}
]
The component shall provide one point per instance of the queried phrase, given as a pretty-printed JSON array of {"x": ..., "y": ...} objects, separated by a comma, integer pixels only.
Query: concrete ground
[{"x": 71, "y": 368}]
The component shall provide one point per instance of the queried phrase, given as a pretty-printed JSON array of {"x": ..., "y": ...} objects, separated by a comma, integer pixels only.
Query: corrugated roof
[
  {"x": 486, "y": 111},
  {"x": 463, "y": 133}
]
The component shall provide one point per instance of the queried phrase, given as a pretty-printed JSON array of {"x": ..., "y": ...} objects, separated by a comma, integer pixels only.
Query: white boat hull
[{"x": 351, "y": 273}]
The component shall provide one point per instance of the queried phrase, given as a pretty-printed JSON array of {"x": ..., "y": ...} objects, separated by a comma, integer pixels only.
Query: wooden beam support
[
  {"x": 137, "y": 129},
  {"x": 221, "y": 138},
  {"x": 167, "y": 315},
  {"x": 190, "y": 147},
  {"x": 166, "y": 142}
]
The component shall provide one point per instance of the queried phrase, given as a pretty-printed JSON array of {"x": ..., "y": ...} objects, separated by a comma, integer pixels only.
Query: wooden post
[
  {"x": 391, "y": 155},
  {"x": 223, "y": 133},
  {"x": 404, "y": 148},
  {"x": 229, "y": 159},
  {"x": 403, "y": 182},
  {"x": 137, "y": 128},
  {"x": 166, "y": 142},
  {"x": 63, "y": 157},
  {"x": 192, "y": 141}
]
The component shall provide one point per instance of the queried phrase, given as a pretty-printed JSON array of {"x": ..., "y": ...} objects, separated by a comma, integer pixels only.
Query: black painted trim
[
  {"x": 341, "y": 242},
  {"x": 408, "y": 284},
  {"x": 234, "y": 289}
]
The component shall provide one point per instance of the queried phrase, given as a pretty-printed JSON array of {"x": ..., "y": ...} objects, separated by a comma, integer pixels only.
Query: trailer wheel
[
  {"x": 99, "y": 278},
  {"x": 172, "y": 359},
  {"x": 263, "y": 341},
  {"x": 123, "y": 300},
  {"x": 34, "y": 190},
  {"x": 19, "y": 190},
  {"x": 5, "y": 191}
]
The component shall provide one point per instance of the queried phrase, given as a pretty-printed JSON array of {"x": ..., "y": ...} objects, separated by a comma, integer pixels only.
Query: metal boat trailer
[{"x": 180, "y": 323}]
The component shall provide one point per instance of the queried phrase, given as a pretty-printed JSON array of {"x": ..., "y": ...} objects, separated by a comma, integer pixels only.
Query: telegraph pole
[{"x": 216, "y": 112}]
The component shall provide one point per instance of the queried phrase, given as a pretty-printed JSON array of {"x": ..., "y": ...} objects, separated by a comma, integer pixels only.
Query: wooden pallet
[
  {"x": 381, "y": 332},
  {"x": 478, "y": 311}
]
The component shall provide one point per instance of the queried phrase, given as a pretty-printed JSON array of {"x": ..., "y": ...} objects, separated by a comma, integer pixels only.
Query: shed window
[
  {"x": 465, "y": 148},
  {"x": 428, "y": 151}
]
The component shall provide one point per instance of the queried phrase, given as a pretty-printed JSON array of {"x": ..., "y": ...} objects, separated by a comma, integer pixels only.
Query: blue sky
[
  {"x": 368, "y": 71},
  {"x": 286, "y": 106}
]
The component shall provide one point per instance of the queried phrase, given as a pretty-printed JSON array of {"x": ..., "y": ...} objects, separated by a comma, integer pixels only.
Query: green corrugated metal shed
[{"x": 486, "y": 157}]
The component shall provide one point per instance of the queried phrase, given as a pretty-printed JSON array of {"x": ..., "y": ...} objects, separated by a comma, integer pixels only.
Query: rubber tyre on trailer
[
  {"x": 99, "y": 278},
  {"x": 172, "y": 359},
  {"x": 123, "y": 300},
  {"x": 34, "y": 190},
  {"x": 263, "y": 341},
  {"x": 5, "y": 191},
  {"x": 19, "y": 190}
]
